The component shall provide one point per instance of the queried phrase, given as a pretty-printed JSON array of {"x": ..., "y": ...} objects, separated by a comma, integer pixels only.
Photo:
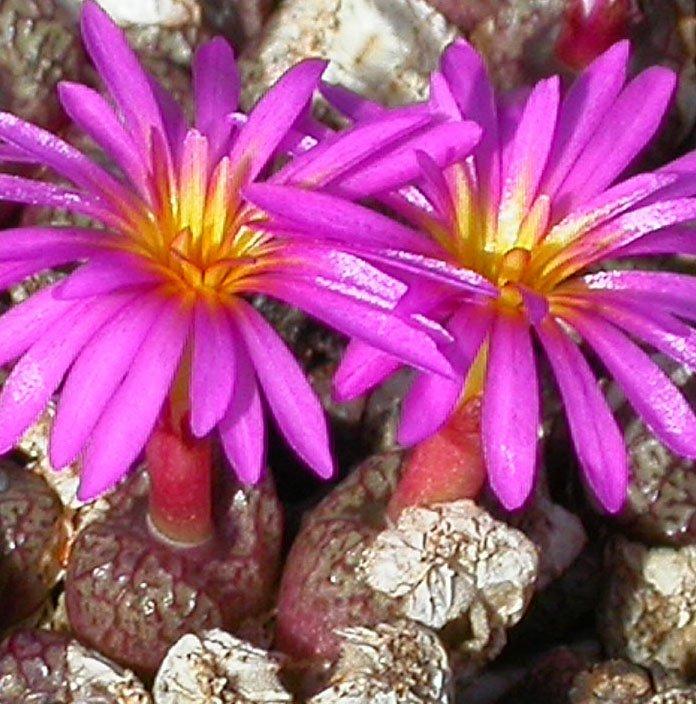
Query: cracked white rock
[
  {"x": 217, "y": 668},
  {"x": 393, "y": 663},
  {"x": 448, "y": 560},
  {"x": 94, "y": 679},
  {"x": 164, "y": 13},
  {"x": 649, "y": 614},
  {"x": 383, "y": 49}
]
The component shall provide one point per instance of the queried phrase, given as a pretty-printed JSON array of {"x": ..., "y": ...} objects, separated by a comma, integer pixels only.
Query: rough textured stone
[
  {"x": 391, "y": 663},
  {"x": 217, "y": 667},
  {"x": 32, "y": 541},
  {"x": 661, "y": 505},
  {"x": 130, "y": 595},
  {"x": 453, "y": 562},
  {"x": 40, "y": 667},
  {"x": 383, "y": 49},
  {"x": 320, "y": 589},
  {"x": 649, "y": 614},
  {"x": 238, "y": 20},
  {"x": 611, "y": 682},
  {"x": 40, "y": 47}
]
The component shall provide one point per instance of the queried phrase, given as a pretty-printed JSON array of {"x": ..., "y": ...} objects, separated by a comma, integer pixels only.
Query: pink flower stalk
[
  {"x": 157, "y": 307},
  {"x": 536, "y": 211}
]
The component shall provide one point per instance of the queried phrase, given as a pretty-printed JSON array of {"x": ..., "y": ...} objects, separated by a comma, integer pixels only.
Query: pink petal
[
  {"x": 441, "y": 100},
  {"x": 676, "y": 292},
  {"x": 510, "y": 411},
  {"x": 292, "y": 401},
  {"x": 173, "y": 120},
  {"x": 624, "y": 131},
  {"x": 328, "y": 218},
  {"x": 362, "y": 368},
  {"x": 432, "y": 398},
  {"x": 130, "y": 415},
  {"x": 351, "y": 104},
  {"x": 677, "y": 239},
  {"x": 445, "y": 143},
  {"x": 24, "y": 190},
  {"x": 646, "y": 387},
  {"x": 627, "y": 228},
  {"x": 242, "y": 429},
  {"x": 606, "y": 206},
  {"x": 466, "y": 74},
  {"x": 216, "y": 83},
  {"x": 105, "y": 274},
  {"x": 585, "y": 104},
  {"x": 95, "y": 376},
  {"x": 58, "y": 155},
  {"x": 39, "y": 372},
  {"x": 94, "y": 116},
  {"x": 212, "y": 368},
  {"x": 528, "y": 153},
  {"x": 381, "y": 329},
  {"x": 340, "y": 153},
  {"x": 121, "y": 71},
  {"x": 596, "y": 436},
  {"x": 33, "y": 242},
  {"x": 274, "y": 115},
  {"x": 648, "y": 323},
  {"x": 24, "y": 323},
  {"x": 343, "y": 273}
]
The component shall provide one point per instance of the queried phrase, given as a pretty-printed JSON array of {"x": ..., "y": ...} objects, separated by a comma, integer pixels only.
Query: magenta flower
[
  {"x": 535, "y": 211},
  {"x": 156, "y": 306}
]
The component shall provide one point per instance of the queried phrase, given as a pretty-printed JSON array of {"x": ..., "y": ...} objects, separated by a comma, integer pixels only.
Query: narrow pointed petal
[
  {"x": 675, "y": 292},
  {"x": 445, "y": 143},
  {"x": 28, "y": 242},
  {"x": 432, "y": 398},
  {"x": 105, "y": 274},
  {"x": 216, "y": 83},
  {"x": 376, "y": 327},
  {"x": 341, "y": 272},
  {"x": 510, "y": 411},
  {"x": 329, "y": 218},
  {"x": 292, "y": 401},
  {"x": 581, "y": 111},
  {"x": 620, "y": 136},
  {"x": 526, "y": 162},
  {"x": 620, "y": 232},
  {"x": 350, "y": 104},
  {"x": 28, "y": 192},
  {"x": 608, "y": 205},
  {"x": 24, "y": 323},
  {"x": 58, "y": 155},
  {"x": 342, "y": 152},
  {"x": 678, "y": 239},
  {"x": 130, "y": 415},
  {"x": 274, "y": 115},
  {"x": 121, "y": 71},
  {"x": 95, "y": 376},
  {"x": 39, "y": 372},
  {"x": 646, "y": 322},
  {"x": 174, "y": 121},
  {"x": 596, "y": 436},
  {"x": 646, "y": 386},
  {"x": 362, "y": 368},
  {"x": 94, "y": 116},
  {"x": 468, "y": 80},
  {"x": 212, "y": 368},
  {"x": 243, "y": 429}
]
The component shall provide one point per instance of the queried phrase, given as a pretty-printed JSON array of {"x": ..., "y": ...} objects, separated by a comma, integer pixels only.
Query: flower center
[{"x": 200, "y": 235}]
